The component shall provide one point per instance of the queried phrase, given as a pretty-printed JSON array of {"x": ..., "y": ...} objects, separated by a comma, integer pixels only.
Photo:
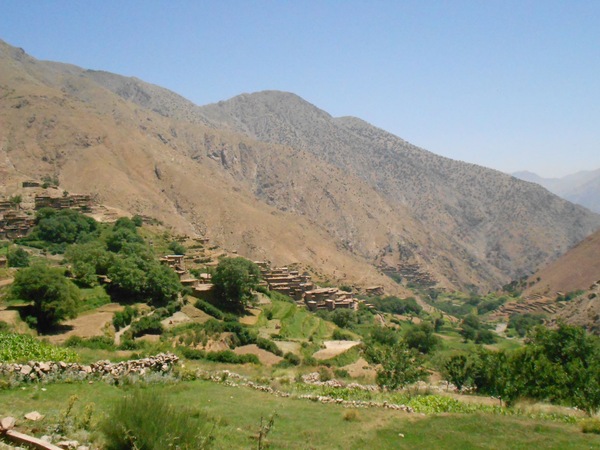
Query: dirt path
[{"x": 6, "y": 282}]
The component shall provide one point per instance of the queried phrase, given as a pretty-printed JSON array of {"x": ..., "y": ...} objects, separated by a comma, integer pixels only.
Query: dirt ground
[
  {"x": 288, "y": 346},
  {"x": 252, "y": 318},
  {"x": 264, "y": 356},
  {"x": 87, "y": 325},
  {"x": 360, "y": 369},
  {"x": 334, "y": 348}
]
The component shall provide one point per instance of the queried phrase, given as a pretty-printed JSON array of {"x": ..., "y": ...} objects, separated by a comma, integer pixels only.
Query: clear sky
[{"x": 512, "y": 85}]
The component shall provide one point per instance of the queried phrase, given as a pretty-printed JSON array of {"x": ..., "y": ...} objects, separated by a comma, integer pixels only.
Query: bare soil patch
[
  {"x": 196, "y": 314},
  {"x": 360, "y": 369},
  {"x": 288, "y": 347},
  {"x": 252, "y": 318},
  {"x": 334, "y": 348},
  {"x": 273, "y": 327},
  {"x": 84, "y": 326},
  {"x": 176, "y": 319},
  {"x": 264, "y": 356}
]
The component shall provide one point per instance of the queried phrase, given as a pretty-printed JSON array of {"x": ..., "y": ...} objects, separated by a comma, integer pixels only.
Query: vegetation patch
[{"x": 21, "y": 348}]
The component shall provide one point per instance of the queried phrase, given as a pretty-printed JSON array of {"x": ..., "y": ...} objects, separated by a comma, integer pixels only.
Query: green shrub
[
  {"x": 146, "y": 325},
  {"x": 292, "y": 359},
  {"x": 145, "y": 420},
  {"x": 94, "y": 342},
  {"x": 590, "y": 426},
  {"x": 269, "y": 346},
  {"x": 123, "y": 318},
  {"x": 209, "y": 309},
  {"x": 18, "y": 258},
  {"x": 339, "y": 335},
  {"x": 227, "y": 356}
]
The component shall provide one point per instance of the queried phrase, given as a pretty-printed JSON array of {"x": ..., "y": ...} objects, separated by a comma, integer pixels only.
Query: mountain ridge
[
  {"x": 582, "y": 188},
  {"x": 362, "y": 197}
]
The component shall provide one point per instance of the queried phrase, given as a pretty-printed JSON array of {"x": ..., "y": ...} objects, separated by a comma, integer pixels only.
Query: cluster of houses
[
  {"x": 14, "y": 224},
  {"x": 301, "y": 288},
  {"x": 74, "y": 201},
  {"x": 201, "y": 286},
  {"x": 284, "y": 280}
]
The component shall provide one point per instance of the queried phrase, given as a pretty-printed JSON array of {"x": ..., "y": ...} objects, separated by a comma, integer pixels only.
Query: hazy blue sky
[{"x": 506, "y": 84}]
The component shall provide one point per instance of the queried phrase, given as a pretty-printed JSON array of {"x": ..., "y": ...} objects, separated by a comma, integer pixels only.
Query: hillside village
[{"x": 266, "y": 275}]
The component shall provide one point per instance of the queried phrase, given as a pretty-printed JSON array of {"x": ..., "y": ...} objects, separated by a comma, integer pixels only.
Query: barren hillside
[{"x": 272, "y": 176}]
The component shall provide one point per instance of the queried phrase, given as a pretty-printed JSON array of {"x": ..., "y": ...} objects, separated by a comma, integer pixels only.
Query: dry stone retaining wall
[{"x": 38, "y": 371}]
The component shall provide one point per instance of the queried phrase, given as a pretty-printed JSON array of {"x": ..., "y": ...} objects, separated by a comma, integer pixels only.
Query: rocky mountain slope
[
  {"x": 576, "y": 270},
  {"x": 272, "y": 176},
  {"x": 582, "y": 188}
]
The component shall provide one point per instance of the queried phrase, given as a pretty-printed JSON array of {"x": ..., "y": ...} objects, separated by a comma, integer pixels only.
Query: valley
[{"x": 262, "y": 272}]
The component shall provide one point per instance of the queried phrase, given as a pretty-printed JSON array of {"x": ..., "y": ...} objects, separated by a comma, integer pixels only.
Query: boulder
[
  {"x": 7, "y": 423},
  {"x": 34, "y": 415}
]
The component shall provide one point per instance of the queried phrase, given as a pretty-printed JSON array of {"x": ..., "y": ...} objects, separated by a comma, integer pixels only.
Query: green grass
[
  {"x": 301, "y": 424},
  {"x": 298, "y": 323},
  {"x": 93, "y": 298}
]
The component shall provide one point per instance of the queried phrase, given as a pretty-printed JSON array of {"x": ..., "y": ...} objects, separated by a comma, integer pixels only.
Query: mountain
[
  {"x": 582, "y": 187},
  {"x": 576, "y": 273},
  {"x": 273, "y": 177}
]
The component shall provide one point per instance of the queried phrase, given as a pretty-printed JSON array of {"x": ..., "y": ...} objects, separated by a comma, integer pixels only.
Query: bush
[
  {"x": 18, "y": 258},
  {"x": 339, "y": 335},
  {"x": 135, "y": 422},
  {"x": 123, "y": 318},
  {"x": 94, "y": 342},
  {"x": 269, "y": 346},
  {"x": 176, "y": 248},
  {"x": 590, "y": 426},
  {"x": 292, "y": 359},
  {"x": 210, "y": 309},
  {"x": 146, "y": 325},
  {"x": 351, "y": 415},
  {"x": 227, "y": 356}
]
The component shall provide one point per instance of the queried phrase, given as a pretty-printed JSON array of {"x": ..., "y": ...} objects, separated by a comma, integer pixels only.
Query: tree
[
  {"x": 88, "y": 261},
  {"x": 176, "y": 248},
  {"x": 54, "y": 297},
  {"x": 399, "y": 365},
  {"x": 18, "y": 258},
  {"x": 457, "y": 369},
  {"x": 421, "y": 338},
  {"x": 234, "y": 280},
  {"x": 65, "y": 226}
]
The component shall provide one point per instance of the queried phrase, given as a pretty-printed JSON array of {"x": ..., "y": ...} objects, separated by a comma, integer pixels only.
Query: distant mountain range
[
  {"x": 582, "y": 187},
  {"x": 273, "y": 177}
]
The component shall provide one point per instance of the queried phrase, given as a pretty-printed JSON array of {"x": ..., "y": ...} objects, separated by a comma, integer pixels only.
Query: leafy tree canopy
[
  {"x": 54, "y": 297},
  {"x": 234, "y": 280},
  {"x": 62, "y": 226},
  {"x": 18, "y": 258}
]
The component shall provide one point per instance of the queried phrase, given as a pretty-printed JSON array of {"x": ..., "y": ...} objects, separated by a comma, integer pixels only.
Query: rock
[
  {"x": 26, "y": 369},
  {"x": 68, "y": 444},
  {"x": 34, "y": 415},
  {"x": 7, "y": 423}
]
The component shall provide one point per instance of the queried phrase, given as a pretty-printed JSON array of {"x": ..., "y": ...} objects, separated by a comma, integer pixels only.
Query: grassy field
[
  {"x": 298, "y": 323},
  {"x": 302, "y": 424}
]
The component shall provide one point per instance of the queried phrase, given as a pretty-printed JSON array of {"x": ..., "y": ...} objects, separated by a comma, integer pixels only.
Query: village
[{"x": 17, "y": 219}]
